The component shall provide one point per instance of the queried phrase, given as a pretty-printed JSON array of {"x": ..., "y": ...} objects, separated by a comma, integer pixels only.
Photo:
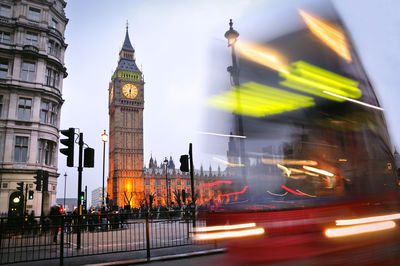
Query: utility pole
[
  {"x": 80, "y": 169},
  {"x": 65, "y": 187},
  {"x": 192, "y": 184}
]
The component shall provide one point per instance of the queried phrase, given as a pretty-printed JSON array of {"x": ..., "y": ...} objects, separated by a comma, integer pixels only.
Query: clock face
[{"x": 130, "y": 91}]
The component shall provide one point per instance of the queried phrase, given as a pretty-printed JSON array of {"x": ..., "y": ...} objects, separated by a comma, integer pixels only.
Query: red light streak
[
  {"x": 235, "y": 193},
  {"x": 216, "y": 183},
  {"x": 292, "y": 191}
]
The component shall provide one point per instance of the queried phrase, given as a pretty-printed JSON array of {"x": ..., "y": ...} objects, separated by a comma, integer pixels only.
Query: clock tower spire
[{"x": 126, "y": 105}]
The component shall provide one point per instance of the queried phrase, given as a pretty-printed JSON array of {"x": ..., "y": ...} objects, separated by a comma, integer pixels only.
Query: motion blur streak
[
  {"x": 216, "y": 183},
  {"x": 228, "y": 163},
  {"x": 224, "y": 227},
  {"x": 359, "y": 229},
  {"x": 235, "y": 193},
  {"x": 221, "y": 135},
  {"x": 305, "y": 194},
  {"x": 314, "y": 80},
  {"x": 259, "y": 100},
  {"x": 262, "y": 56},
  {"x": 369, "y": 219},
  {"x": 292, "y": 191},
  {"x": 288, "y": 161},
  {"x": 354, "y": 101},
  {"x": 329, "y": 34},
  {"x": 274, "y": 194},
  {"x": 287, "y": 171},
  {"x": 319, "y": 171},
  {"x": 240, "y": 233}
]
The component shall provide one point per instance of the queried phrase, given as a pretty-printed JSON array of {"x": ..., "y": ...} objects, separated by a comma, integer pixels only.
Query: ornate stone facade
[{"x": 32, "y": 69}]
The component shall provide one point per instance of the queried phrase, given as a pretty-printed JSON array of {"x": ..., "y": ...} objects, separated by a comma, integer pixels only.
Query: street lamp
[
  {"x": 104, "y": 138},
  {"x": 231, "y": 35},
  {"x": 166, "y": 180}
]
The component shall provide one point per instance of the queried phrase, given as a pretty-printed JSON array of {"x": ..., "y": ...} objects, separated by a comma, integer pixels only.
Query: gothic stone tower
[{"x": 126, "y": 103}]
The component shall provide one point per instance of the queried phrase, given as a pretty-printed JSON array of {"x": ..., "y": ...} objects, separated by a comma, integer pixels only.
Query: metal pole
[
  {"x": 26, "y": 196},
  {"x": 65, "y": 187},
  {"x": 80, "y": 169},
  {"x": 104, "y": 158},
  {"x": 166, "y": 183},
  {"x": 192, "y": 184}
]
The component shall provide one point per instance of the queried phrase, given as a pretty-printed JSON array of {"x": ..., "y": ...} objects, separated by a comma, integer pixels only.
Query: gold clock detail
[{"x": 130, "y": 91}]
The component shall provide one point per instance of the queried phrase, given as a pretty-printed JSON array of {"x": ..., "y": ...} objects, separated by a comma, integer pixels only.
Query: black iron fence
[{"x": 31, "y": 238}]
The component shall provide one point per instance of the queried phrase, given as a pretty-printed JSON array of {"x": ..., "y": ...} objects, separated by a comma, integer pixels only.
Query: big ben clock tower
[{"x": 126, "y": 103}]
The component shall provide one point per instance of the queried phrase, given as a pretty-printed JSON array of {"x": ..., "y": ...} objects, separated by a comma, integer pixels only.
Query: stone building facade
[{"x": 32, "y": 48}]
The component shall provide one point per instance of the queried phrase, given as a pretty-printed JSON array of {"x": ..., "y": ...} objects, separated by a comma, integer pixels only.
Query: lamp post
[
  {"x": 65, "y": 187},
  {"x": 231, "y": 35},
  {"x": 104, "y": 138},
  {"x": 166, "y": 180}
]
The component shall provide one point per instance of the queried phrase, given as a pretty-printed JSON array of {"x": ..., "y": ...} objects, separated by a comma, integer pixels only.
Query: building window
[
  {"x": 5, "y": 11},
  {"x": 21, "y": 149},
  {"x": 24, "y": 109},
  {"x": 3, "y": 68},
  {"x": 5, "y": 185},
  {"x": 44, "y": 112},
  {"x": 45, "y": 151},
  {"x": 54, "y": 23},
  {"x": 188, "y": 182},
  {"x": 158, "y": 182},
  {"x": 147, "y": 182},
  {"x": 53, "y": 113},
  {"x": 31, "y": 39},
  {"x": 54, "y": 48},
  {"x": 52, "y": 77},
  {"x": 34, "y": 14},
  {"x": 28, "y": 71},
  {"x": 178, "y": 182},
  {"x": 5, "y": 37}
]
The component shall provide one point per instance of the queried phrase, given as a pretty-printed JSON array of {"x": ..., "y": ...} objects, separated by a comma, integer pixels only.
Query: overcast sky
[{"x": 173, "y": 41}]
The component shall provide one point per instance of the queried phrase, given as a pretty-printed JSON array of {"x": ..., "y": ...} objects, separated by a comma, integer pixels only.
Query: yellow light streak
[
  {"x": 294, "y": 170},
  {"x": 312, "y": 196},
  {"x": 255, "y": 99},
  {"x": 232, "y": 234},
  {"x": 287, "y": 171},
  {"x": 342, "y": 160},
  {"x": 359, "y": 229},
  {"x": 223, "y": 227},
  {"x": 328, "y": 34},
  {"x": 371, "y": 219},
  {"x": 315, "y": 80},
  {"x": 262, "y": 55},
  {"x": 319, "y": 171},
  {"x": 288, "y": 161},
  {"x": 228, "y": 163},
  {"x": 221, "y": 135},
  {"x": 354, "y": 101}
]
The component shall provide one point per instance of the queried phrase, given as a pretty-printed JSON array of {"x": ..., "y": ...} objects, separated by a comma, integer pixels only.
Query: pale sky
[{"x": 173, "y": 40}]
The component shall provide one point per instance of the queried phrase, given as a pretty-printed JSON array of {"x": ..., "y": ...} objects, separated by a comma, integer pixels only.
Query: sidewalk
[{"x": 128, "y": 258}]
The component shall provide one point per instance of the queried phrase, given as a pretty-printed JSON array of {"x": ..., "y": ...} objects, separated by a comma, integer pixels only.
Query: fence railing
[{"x": 30, "y": 238}]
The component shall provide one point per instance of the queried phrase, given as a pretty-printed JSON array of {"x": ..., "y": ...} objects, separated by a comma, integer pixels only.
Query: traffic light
[
  {"x": 20, "y": 186},
  {"x": 38, "y": 182},
  {"x": 81, "y": 195},
  {"x": 30, "y": 195},
  {"x": 183, "y": 196},
  {"x": 184, "y": 163},
  {"x": 69, "y": 142},
  {"x": 45, "y": 181},
  {"x": 88, "y": 160}
]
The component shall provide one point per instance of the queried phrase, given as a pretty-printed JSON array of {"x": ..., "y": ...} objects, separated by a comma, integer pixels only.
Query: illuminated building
[{"x": 32, "y": 70}]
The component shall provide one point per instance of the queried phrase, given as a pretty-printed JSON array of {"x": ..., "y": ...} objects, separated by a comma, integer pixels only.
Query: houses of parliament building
[{"x": 129, "y": 183}]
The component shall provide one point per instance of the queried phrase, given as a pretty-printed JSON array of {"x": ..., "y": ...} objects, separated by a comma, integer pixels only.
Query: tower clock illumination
[
  {"x": 130, "y": 91},
  {"x": 125, "y": 178}
]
